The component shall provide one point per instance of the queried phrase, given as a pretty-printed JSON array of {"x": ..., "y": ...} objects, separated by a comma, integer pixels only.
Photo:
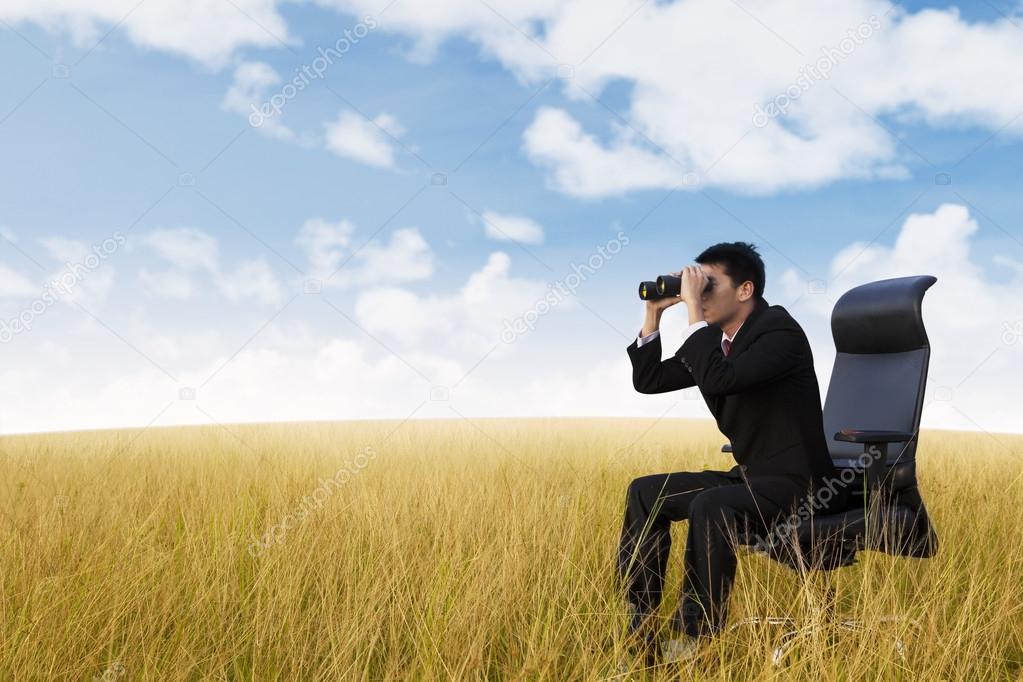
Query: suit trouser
[{"x": 718, "y": 505}]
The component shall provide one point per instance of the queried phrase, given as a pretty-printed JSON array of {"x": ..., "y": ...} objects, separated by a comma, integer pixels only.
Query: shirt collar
[
  {"x": 760, "y": 306},
  {"x": 732, "y": 337}
]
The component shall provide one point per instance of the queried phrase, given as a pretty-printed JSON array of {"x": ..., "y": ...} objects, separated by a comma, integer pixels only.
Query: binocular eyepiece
[{"x": 664, "y": 286}]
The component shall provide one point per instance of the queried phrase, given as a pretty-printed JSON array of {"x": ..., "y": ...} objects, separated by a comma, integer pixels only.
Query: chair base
[{"x": 790, "y": 637}]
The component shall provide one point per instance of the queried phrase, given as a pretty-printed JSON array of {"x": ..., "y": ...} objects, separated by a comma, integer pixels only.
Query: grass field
[{"x": 449, "y": 550}]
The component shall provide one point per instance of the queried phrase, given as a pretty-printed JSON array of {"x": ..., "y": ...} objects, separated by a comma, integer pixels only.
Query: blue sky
[{"x": 121, "y": 119}]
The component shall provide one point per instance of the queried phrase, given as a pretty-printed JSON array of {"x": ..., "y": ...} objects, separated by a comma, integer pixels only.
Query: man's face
[{"x": 721, "y": 302}]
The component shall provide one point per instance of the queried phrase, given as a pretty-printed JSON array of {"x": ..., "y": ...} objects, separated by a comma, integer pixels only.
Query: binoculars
[{"x": 664, "y": 286}]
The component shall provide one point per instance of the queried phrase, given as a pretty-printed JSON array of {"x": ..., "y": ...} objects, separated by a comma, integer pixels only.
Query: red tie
[{"x": 726, "y": 346}]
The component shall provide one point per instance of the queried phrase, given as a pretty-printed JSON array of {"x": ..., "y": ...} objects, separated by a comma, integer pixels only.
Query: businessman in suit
[{"x": 753, "y": 365}]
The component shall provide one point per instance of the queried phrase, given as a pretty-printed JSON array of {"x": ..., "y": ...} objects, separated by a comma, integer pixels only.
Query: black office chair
[{"x": 874, "y": 401}]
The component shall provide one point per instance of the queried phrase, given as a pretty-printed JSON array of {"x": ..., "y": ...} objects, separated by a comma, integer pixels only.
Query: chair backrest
[{"x": 880, "y": 370}]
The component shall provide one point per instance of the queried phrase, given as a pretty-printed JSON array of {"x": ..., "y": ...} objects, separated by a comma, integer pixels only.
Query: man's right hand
[
  {"x": 654, "y": 308},
  {"x": 659, "y": 304}
]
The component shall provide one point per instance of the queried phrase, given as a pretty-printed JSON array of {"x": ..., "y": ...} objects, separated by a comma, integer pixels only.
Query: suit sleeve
[
  {"x": 652, "y": 375},
  {"x": 771, "y": 355}
]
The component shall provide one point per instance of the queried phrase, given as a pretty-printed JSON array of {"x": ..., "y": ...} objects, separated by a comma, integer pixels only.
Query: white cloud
[
  {"x": 90, "y": 283},
  {"x": 15, "y": 285},
  {"x": 469, "y": 320},
  {"x": 175, "y": 285},
  {"x": 64, "y": 249},
  {"x": 252, "y": 279},
  {"x": 406, "y": 257},
  {"x": 208, "y": 32},
  {"x": 504, "y": 227},
  {"x": 326, "y": 379},
  {"x": 296, "y": 369},
  {"x": 495, "y": 25},
  {"x": 368, "y": 142},
  {"x": 249, "y": 95},
  {"x": 693, "y": 95},
  {"x": 186, "y": 248},
  {"x": 193, "y": 251},
  {"x": 12, "y": 283},
  {"x": 581, "y": 166},
  {"x": 324, "y": 243}
]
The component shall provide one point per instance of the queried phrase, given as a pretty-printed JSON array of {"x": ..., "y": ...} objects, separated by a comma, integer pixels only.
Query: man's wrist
[
  {"x": 695, "y": 312},
  {"x": 652, "y": 322}
]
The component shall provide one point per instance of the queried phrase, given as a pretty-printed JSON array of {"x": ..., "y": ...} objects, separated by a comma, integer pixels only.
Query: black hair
[{"x": 741, "y": 263}]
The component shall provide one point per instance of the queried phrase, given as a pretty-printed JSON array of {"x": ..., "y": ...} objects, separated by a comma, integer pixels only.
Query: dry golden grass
[{"x": 454, "y": 550}]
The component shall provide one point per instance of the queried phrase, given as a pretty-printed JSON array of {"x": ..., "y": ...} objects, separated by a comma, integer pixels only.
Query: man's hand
[
  {"x": 694, "y": 281},
  {"x": 654, "y": 309},
  {"x": 659, "y": 304}
]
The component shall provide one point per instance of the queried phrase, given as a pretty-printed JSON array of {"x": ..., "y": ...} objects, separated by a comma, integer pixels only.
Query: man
[{"x": 753, "y": 365}]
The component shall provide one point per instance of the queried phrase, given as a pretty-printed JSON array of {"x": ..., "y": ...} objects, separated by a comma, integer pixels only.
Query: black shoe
[{"x": 642, "y": 636}]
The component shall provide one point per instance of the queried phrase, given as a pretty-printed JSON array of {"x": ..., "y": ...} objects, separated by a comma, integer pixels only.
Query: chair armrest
[
  {"x": 727, "y": 447},
  {"x": 875, "y": 451},
  {"x": 860, "y": 436}
]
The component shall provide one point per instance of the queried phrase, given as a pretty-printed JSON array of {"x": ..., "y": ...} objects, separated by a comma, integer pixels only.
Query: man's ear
[{"x": 746, "y": 291}]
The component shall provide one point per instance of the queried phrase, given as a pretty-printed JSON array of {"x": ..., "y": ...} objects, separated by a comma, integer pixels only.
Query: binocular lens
[{"x": 648, "y": 291}]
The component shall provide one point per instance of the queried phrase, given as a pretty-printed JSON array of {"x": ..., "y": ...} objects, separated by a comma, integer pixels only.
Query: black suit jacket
[{"x": 764, "y": 395}]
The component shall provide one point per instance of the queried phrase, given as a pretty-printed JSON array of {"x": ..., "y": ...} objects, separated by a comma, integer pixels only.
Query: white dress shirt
[{"x": 640, "y": 340}]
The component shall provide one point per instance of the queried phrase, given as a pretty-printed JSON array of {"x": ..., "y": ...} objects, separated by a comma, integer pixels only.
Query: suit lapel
[{"x": 740, "y": 340}]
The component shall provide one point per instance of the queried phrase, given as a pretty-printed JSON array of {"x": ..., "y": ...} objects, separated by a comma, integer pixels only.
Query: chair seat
[{"x": 831, "y": 541}]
